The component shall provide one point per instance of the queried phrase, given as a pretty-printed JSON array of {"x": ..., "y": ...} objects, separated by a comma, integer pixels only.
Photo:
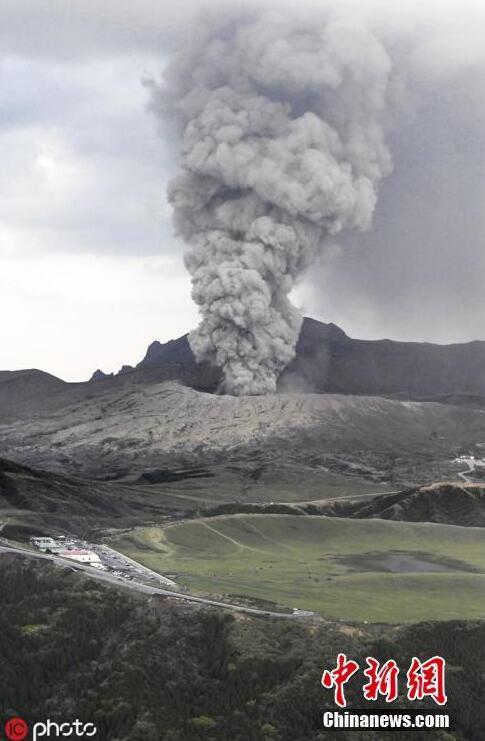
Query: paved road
[
  {"x": 465, "y": 475},
  {"x": 120, "y": 582},
  {"x": 345, "y": 498}
]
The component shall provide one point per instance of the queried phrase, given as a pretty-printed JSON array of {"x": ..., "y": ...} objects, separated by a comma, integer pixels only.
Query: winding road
[{"x": 465, "y": 475}]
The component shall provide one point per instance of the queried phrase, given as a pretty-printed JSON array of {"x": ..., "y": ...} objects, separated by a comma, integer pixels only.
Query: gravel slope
[{"x": 132, "y": 428}]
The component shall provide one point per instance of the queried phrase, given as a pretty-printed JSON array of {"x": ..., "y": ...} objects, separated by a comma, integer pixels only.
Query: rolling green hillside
[{"x": 373, "y": 570}]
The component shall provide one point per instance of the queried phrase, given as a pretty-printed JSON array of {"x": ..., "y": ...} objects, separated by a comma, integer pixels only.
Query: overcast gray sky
[{"x": 89, "y": 270}]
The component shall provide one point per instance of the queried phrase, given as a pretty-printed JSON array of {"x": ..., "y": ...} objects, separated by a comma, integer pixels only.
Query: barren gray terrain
[{"x": 112, "y": 429}]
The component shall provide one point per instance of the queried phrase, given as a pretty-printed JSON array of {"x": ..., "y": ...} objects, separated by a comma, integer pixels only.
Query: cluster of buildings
[
  {"x": 471, "y": 461},
  {"x": 66, "y": 549},
  {"x": 100, "y": 557}
]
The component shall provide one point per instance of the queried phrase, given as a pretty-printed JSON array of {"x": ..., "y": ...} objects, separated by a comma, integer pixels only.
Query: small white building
[
  {"x": 87, "y": 557},
  {"x": 46, "y": 544}
]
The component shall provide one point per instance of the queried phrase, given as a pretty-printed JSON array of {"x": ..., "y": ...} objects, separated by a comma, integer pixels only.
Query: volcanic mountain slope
[
  {"x": 327, "y": 360},
  {"x": 26, "y": 386},
  {"x": 141, "y": 421},
  {"x": 123, "y": 429},
  {"x": 445, "y": 503}
]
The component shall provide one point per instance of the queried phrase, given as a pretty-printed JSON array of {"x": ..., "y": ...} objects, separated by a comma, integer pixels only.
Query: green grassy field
[
  {"x": 341, "y": 568},
  {"x": 246, "y": 483}
]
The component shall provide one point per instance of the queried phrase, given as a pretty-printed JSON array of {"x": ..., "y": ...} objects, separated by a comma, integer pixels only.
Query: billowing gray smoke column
[{"x": 282, "y": 148}]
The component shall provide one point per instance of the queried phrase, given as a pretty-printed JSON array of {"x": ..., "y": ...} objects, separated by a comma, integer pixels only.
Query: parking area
[{"x": 102, "y": 557}]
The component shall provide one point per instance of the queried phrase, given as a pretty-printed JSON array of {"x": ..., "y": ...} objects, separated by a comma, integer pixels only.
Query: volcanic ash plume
[{"x": 282, "y": 148}]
